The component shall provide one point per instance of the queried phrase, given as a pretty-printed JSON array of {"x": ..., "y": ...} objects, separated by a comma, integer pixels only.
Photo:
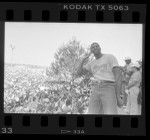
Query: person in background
[
  {"x": 140, "y": 63},
  {"x": 107, "y": 82},
  {"x": 126, "y": 77},
  {"x": 133, "y": 87},
  {"x": 127, "y": 68},
  {"x": 140, "y": 94}
]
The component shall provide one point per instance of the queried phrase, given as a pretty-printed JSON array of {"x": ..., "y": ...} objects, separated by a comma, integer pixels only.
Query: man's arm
[
  {"x": 82, "y": 71},
  {"x": 118, "y": 79}
]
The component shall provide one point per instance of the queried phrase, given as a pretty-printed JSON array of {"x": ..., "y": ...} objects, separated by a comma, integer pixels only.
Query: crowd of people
[{"x": 132, "y": 86}]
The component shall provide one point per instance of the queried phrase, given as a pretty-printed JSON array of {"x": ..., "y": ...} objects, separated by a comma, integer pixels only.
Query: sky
[{"x": 36, "y": 43}]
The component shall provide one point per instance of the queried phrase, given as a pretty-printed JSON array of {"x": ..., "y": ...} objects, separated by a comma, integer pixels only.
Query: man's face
[
  {"x": 128, "y": 61},
  {"x": 95, "y": 49}
]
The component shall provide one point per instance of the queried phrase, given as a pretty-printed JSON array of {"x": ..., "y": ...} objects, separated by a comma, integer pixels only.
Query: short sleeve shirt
[
  {"x": 136, "y": 76},
  {"x": 102, "y": 68},
  {"x": 128, "y": 67}
]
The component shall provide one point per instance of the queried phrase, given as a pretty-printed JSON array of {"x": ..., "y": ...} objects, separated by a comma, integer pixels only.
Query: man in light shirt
[
  {"x": 127, "y": 71},
  {"x": 140, "y": 94},
  {"x": 128, "y": 68},
  {"x": 140, "y": 63},
  {"x": 133, "y": 87},
  {"x": 105, "y": 97}
]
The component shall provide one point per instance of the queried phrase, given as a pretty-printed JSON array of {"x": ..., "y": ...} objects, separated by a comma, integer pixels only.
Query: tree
[{"x": 67, "y": 58}]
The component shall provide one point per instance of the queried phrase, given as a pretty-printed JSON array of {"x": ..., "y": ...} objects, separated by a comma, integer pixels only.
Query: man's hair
[{"x": 94, "y": 43}]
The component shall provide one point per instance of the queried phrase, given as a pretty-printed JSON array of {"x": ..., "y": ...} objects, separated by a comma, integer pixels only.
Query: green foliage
[
  {"x": 31, "y": 89},
  {"x": 67, "y": 58},
  {"x": 27, "y": 90}
]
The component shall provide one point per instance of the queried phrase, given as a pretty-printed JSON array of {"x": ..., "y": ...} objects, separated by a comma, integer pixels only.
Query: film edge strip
[
  {"x": 104, "y": 13},
  {"x": 64, "y": 16}
]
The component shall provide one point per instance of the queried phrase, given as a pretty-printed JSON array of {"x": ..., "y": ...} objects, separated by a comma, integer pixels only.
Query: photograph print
[{"x": 73, "y": 68}]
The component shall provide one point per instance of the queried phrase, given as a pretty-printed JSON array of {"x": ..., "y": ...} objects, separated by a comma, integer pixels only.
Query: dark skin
[
  {"x": 96, "y": 51},
  {"x": 123, "y": 69},
  {"x": 128, "y": 61}
]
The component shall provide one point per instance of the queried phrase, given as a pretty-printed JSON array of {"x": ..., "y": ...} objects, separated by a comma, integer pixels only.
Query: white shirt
[
  {"x": 136, "y": 76},
  {"x": 102, "y": 68}
]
